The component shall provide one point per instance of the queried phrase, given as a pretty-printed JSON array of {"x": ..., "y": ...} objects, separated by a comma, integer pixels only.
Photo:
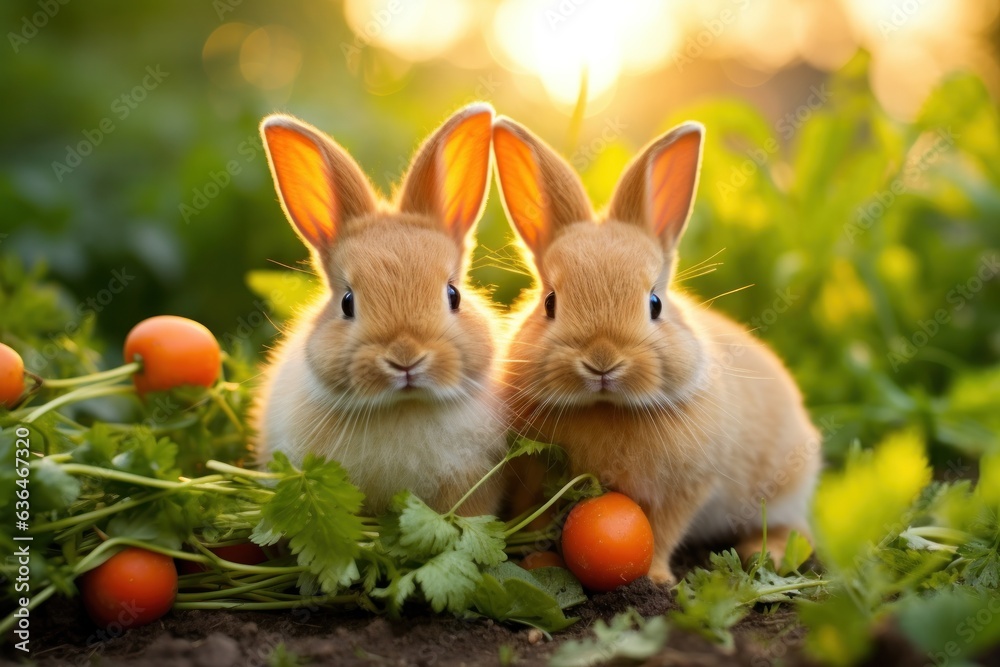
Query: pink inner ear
[
  {"x": 303, "y": 180},
  {"x": 463, "y": 170},
  {"x": 673, "y": 176},
  {"x": 520, "y": 182}
]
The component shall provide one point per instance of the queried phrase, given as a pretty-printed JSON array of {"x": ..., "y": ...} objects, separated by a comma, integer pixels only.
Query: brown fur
[
  {"x": 402, "y": 393},
  {"x": 686, "y": 413}
]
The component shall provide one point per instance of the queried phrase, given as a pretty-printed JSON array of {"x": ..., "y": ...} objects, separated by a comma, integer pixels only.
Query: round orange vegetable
[
  {"x": 607, "y": 542},
  {"x": 537, "y": 559},
  {"x": 11, "y": 376},
  {"x": 134, "y": 587},
  {"x": 175, "y": 351}
]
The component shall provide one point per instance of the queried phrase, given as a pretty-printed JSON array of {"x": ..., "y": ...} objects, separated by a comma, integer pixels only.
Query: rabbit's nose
[
  {"x": 404, "y": 355},
  {"x": 602, "y": 358},
  {"x": 406, "y": 367},
  {"x": 603, "y": 369}
]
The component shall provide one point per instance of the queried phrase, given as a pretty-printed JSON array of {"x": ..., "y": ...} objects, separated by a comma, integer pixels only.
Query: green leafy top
[{"x": 317, "y": 509}]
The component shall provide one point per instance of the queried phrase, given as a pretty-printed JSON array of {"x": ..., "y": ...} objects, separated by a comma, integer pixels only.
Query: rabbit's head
[
  {"x": 604, "y": 327},
  {"x": 397, "y": 322}
]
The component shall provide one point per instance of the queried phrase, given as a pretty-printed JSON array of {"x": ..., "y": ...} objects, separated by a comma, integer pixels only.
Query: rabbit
[
  {"x": 393, "y": 372},
  {"x": 668, "y": 402}
]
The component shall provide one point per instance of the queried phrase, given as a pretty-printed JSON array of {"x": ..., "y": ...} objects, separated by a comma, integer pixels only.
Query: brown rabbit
[
  {"x": 672, "y": 404},
  {"x": 392, "y": 373}
]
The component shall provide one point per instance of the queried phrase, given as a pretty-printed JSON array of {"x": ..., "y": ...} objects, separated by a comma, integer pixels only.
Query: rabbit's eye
[
  {"x": 655, "y": 306},
  {"x": 550, "y": 305},
  {"x": 454, "y": 297},
  {"x": 347, "y": 304}
]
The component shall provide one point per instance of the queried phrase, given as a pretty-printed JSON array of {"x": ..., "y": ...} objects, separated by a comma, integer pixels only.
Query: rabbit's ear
[
  {"x": 658, "y": 188},
  {"x": 540, "y": 191},
  {"x": 319, "y": 184},
  {"x": 449, "y": 176}
]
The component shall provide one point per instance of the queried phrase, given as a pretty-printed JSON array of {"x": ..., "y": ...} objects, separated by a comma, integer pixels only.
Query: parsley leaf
[
  {"x": 423, "y": 532},
  {"x": 482, "y": 538},
  {"x": 316, "y": 508},
  {"x": 52, "y": 489},
  {"x": 448, "y": 580},
  {"x": 510, "y": 593},
  {"x": 628, "y": 636},
  {"x": 983, "y": 568}
]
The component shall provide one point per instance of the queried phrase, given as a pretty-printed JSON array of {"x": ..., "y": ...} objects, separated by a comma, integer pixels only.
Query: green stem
[
  {"x": 81, "y": 394},
  {"x": 119, "y": 476},
  {"x": 475, "y": 486},
  {"x": 531, "y": 536},
  {"x": 225, "y": 407},
  {"x": 91, "y": 560},
  {"x": 541, "y": 510},
  {"x": 94, "y": 515},
  {"x": 938, "y": 533},
  {"x": 519, "y": 550},
  {"x": 113, "y": 374},
  {"x": 763, "y": 538},
  {"x": 219, "y": 466},
  {"x": 763, "y": 592},
  {"x": 237, "y": 590},
  {"x": 223, "y": 564},
  {"x": 165, "y": 427},
  {"x": 267, "y": 606}
]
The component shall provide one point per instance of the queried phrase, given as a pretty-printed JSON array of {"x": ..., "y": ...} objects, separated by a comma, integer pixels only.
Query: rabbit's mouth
[{"x": 603, "y": 378}]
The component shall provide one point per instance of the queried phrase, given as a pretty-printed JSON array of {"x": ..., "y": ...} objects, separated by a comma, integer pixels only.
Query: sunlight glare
[
  {"x": 411, "y": 29},
  {"x": 557, "y": 41}
]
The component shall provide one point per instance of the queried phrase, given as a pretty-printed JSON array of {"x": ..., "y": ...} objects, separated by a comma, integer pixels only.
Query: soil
[{"x": 62, "y": 635}]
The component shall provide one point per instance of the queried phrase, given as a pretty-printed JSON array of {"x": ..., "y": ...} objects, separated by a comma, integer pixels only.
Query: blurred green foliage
[{"x": 867, "y": 246}]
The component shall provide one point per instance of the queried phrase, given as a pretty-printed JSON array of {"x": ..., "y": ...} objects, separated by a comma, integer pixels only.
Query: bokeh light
[
  {"x": 552, "y": 46},
  {"x": 416, "y": 29},
  {"x": 270, "y": 57},
  {"x": 559, "y": 42}
]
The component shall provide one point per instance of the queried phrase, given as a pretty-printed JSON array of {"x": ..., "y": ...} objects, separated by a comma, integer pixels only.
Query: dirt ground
[{"x": 62, "y": 635}]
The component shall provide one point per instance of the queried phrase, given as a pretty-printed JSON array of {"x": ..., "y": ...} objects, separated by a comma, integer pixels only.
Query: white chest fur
[{"x": 408, "y": 445}]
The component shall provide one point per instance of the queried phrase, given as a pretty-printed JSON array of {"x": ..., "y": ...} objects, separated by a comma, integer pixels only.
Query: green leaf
[
  {"x": 491, "y": 599},
  {"x": 857, "y": 508},
  {"x": 911, "y": 568},
  {"x": 51, "y": 488},
  {"x": 527, "y": 447},
  {"x": 628, "y": 637},
  {"x": 448, "y": 580},
  {"x": 143, "y": 454},
  {"x": 482, "y": 539},
  {"x": 560, "y": 583},
  {"x": 423, "y": 533},
  {"x": 797, "y": 552},
  {"x": 983, "y": 568},
  {"x": 953, "y": 624},
  {"x": 282, "y": 657},
  {"x": 510, "y": 593},
  {"x": 839, "y": 632},
  {"x": 988, "y": 486},
  {"x": 711, "y": 602},
  {"x": 146, "y": 525},
  {"x": 98, "y": 448},
  {"x": 402, "y": 588},
  {"x": 963, "y": 107},
  {"x": 317, "y": 510}
]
